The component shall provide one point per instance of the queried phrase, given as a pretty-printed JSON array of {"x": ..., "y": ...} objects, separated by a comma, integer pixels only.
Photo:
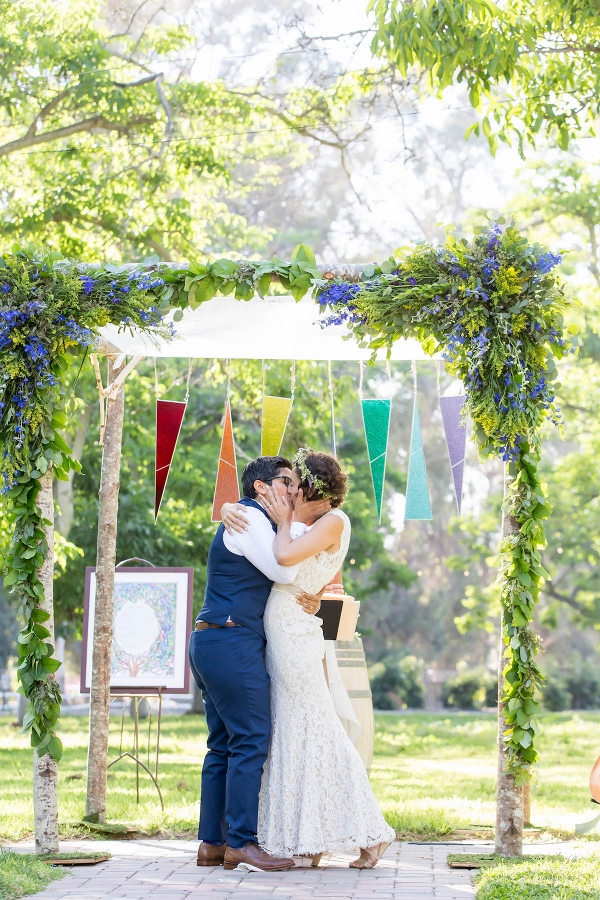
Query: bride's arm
[{"x": 325, "y": 534}]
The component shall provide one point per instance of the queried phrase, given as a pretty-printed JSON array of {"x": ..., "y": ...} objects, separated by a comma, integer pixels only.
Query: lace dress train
[{"x": 315, "y": 794}]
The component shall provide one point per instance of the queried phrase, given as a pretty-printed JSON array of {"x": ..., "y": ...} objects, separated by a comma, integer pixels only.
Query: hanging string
[
  {"x": 360, "y": 383},
  {"x": 293, "y": 376},
  {"x": 264, "y": 378},
  {"x": 332, "y": 401},
  {"x": 227, "y": 372},
  {"x": 155, "y": 378},
  {"x": 388, "y": 369},
  {"x": 414, "y": 371},
  {"x": 187, "y": 384},
  {"x": 437, "y": 373}
]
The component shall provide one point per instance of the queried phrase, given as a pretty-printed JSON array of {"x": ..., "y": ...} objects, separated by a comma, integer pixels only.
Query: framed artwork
[{"x": 151, "y": 630}]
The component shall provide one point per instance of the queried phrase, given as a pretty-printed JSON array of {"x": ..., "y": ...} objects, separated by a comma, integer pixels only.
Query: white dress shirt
[{"x": 256, "y": 544}]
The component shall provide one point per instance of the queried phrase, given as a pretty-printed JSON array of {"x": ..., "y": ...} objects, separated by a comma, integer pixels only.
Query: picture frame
[{"x": 151, "y": 626}]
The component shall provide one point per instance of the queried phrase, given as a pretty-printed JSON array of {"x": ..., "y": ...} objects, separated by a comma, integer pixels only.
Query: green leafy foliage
[
  {"x": 471, "y": 690},
  {"x": 397, "y": 683},
  {"x": 531, "y": 68}
]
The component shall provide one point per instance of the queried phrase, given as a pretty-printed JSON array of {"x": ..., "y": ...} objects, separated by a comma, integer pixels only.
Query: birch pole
[
  {"x": 95, "y": 809},
  {"x": 509, "y": 796},
  {"x": 45, "y": 768}
]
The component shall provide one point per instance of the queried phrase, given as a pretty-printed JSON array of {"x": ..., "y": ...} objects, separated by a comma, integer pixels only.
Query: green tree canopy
[
  {"x": 109, "y": 150},
  {"x": 531, "y": 67}
]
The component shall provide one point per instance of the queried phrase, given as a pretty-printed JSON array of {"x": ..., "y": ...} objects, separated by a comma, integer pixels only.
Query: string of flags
[{"x": 376, "y": 416}]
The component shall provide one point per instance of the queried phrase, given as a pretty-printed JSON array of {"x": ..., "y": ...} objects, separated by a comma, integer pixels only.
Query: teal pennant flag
[
  {"x": 376, "y": 418},
  {"x": 418, "y": 504}
]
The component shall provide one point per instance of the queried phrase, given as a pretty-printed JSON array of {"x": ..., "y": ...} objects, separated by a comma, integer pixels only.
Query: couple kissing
[{"x": 282, "y": 782}]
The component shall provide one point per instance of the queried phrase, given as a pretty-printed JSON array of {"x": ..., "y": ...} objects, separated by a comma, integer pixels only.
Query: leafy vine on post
[{"x": 494, "y": 308}]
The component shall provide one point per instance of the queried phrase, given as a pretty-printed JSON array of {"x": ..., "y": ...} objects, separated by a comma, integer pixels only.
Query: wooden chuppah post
[
  {"x": 509, "y": 795},
  {"x": 45, "y": 768},
  {"x": 108, "y": 504}
]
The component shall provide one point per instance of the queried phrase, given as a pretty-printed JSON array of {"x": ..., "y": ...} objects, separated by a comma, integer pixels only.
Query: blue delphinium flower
[
  {"x": 547, "y": 261},
  {"x": 5, "y": 288},
  {"x": 87, "y": 283},
  {"x": 338, "y": 293}
]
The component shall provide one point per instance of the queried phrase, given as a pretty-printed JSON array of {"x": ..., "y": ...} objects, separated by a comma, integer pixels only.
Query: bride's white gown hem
[{"x": 315, "y": 794}]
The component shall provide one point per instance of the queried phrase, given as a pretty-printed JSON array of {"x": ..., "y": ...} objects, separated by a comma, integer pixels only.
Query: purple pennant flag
[{"x": 456, "y": 440}]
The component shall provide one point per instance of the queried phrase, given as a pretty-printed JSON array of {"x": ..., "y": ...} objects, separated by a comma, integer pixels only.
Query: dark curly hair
[{"x": 327, "y": 469}]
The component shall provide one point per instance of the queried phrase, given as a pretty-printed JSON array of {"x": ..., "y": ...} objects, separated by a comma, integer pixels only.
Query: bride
[{"x": 315, "y": 795}]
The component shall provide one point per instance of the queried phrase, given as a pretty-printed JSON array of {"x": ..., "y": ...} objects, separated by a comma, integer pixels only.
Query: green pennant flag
[
  {"x": 418, "y": 504},
  {"x": 376, "y": 419}
]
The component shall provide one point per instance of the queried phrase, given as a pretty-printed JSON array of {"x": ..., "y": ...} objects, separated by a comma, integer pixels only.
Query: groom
[{"x": 227, "y": 660}]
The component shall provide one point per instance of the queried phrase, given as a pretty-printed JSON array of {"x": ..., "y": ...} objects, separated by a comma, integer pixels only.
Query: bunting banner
[
  {"x": 169, "y": 416},
  {"x": 227, "y": 487},
  {"x": 376, "y": 419},
  {"x": 418, "y": 504},
  {"x": 275, "y": 415},
  {"x": 456, "y": 440}
]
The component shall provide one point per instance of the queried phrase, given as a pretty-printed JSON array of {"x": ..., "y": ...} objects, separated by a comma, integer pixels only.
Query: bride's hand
[
  {"x": 308, "y": 511},
  {"x": 278, "y": 507},
  {"x": 234, "y": 518}
]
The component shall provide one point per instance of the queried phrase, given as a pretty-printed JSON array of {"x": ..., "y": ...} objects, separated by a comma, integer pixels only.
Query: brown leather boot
[
  {"x": 253, "y": 859},
  {"x": 209, "y": 855}
]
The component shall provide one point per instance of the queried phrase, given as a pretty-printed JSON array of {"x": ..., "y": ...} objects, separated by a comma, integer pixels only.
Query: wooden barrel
[{"x": 353, "y": 669}]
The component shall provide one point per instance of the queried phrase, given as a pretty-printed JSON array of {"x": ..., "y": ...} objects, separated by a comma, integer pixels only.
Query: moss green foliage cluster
[
  {"x": 24, "y": 873},
  {"x": 494, "y": 308}
]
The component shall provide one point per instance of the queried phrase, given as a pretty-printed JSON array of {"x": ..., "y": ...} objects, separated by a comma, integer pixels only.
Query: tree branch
[
  {"x": 94, "y": 122},
  {"x": 139, "y": 83}
]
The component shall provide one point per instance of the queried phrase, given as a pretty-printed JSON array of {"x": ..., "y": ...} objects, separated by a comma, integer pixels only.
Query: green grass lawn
[
  {"x": 551, "y": 878},
  {"x": 20, "y": 875},
  {"x": 433, "y": 774}
]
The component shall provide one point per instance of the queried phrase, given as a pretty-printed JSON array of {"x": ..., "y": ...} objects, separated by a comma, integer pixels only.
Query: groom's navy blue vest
[{"x": 235, "y": 589}]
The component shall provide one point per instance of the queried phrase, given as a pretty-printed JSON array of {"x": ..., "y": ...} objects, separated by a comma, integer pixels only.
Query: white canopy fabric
[{"x": 273, "y": 328}]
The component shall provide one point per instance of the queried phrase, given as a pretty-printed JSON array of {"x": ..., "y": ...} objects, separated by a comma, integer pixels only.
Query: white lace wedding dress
[{"x": 315, "y": 794}]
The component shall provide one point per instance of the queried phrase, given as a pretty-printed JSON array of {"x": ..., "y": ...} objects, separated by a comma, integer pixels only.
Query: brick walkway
[{"x": 166, "y": 870}]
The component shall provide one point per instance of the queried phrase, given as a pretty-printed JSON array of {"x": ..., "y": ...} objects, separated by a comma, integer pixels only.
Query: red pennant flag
[
  {"x": 169, "y": 416},
  {"x": 227, "y": 488}
]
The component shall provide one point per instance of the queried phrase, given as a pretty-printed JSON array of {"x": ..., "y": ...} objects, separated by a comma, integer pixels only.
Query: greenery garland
[
  {"x": 494, "y": 307},
  {"x": 51, "y": 309}
]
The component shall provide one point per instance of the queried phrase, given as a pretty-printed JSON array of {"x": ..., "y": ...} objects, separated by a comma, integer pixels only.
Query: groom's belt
[{"x": 202, "y": 626}]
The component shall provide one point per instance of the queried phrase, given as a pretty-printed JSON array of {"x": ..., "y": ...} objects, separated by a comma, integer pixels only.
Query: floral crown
[{"x": 314, "y": 483}]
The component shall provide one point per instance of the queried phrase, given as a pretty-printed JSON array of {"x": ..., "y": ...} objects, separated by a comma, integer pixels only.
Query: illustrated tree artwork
[{"x": 493, "y": 306}]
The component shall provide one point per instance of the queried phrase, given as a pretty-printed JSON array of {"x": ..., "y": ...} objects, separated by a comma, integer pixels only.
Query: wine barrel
[{"x": 353, "y": 669}]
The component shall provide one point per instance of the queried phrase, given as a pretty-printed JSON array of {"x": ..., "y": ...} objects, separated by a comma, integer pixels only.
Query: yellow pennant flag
[{"x": 275, "y": 415}]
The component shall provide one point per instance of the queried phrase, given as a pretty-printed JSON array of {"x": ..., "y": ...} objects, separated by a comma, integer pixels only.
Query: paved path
[{"x": 166, "y": 870}]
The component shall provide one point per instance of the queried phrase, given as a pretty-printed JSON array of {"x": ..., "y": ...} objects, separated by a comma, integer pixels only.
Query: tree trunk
[
  {"x": 527, "y": 804},
  {"x": 103, "y": 620},
  {"x": 509, "y": 797},
  {"x": 45, "y": 769}
]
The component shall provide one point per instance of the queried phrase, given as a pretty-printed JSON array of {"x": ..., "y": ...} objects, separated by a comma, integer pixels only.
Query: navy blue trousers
[{"x": 229, "y": 667}]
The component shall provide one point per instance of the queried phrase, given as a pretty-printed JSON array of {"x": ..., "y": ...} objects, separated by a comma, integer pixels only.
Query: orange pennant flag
[{"x": 227, "y": 488}]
